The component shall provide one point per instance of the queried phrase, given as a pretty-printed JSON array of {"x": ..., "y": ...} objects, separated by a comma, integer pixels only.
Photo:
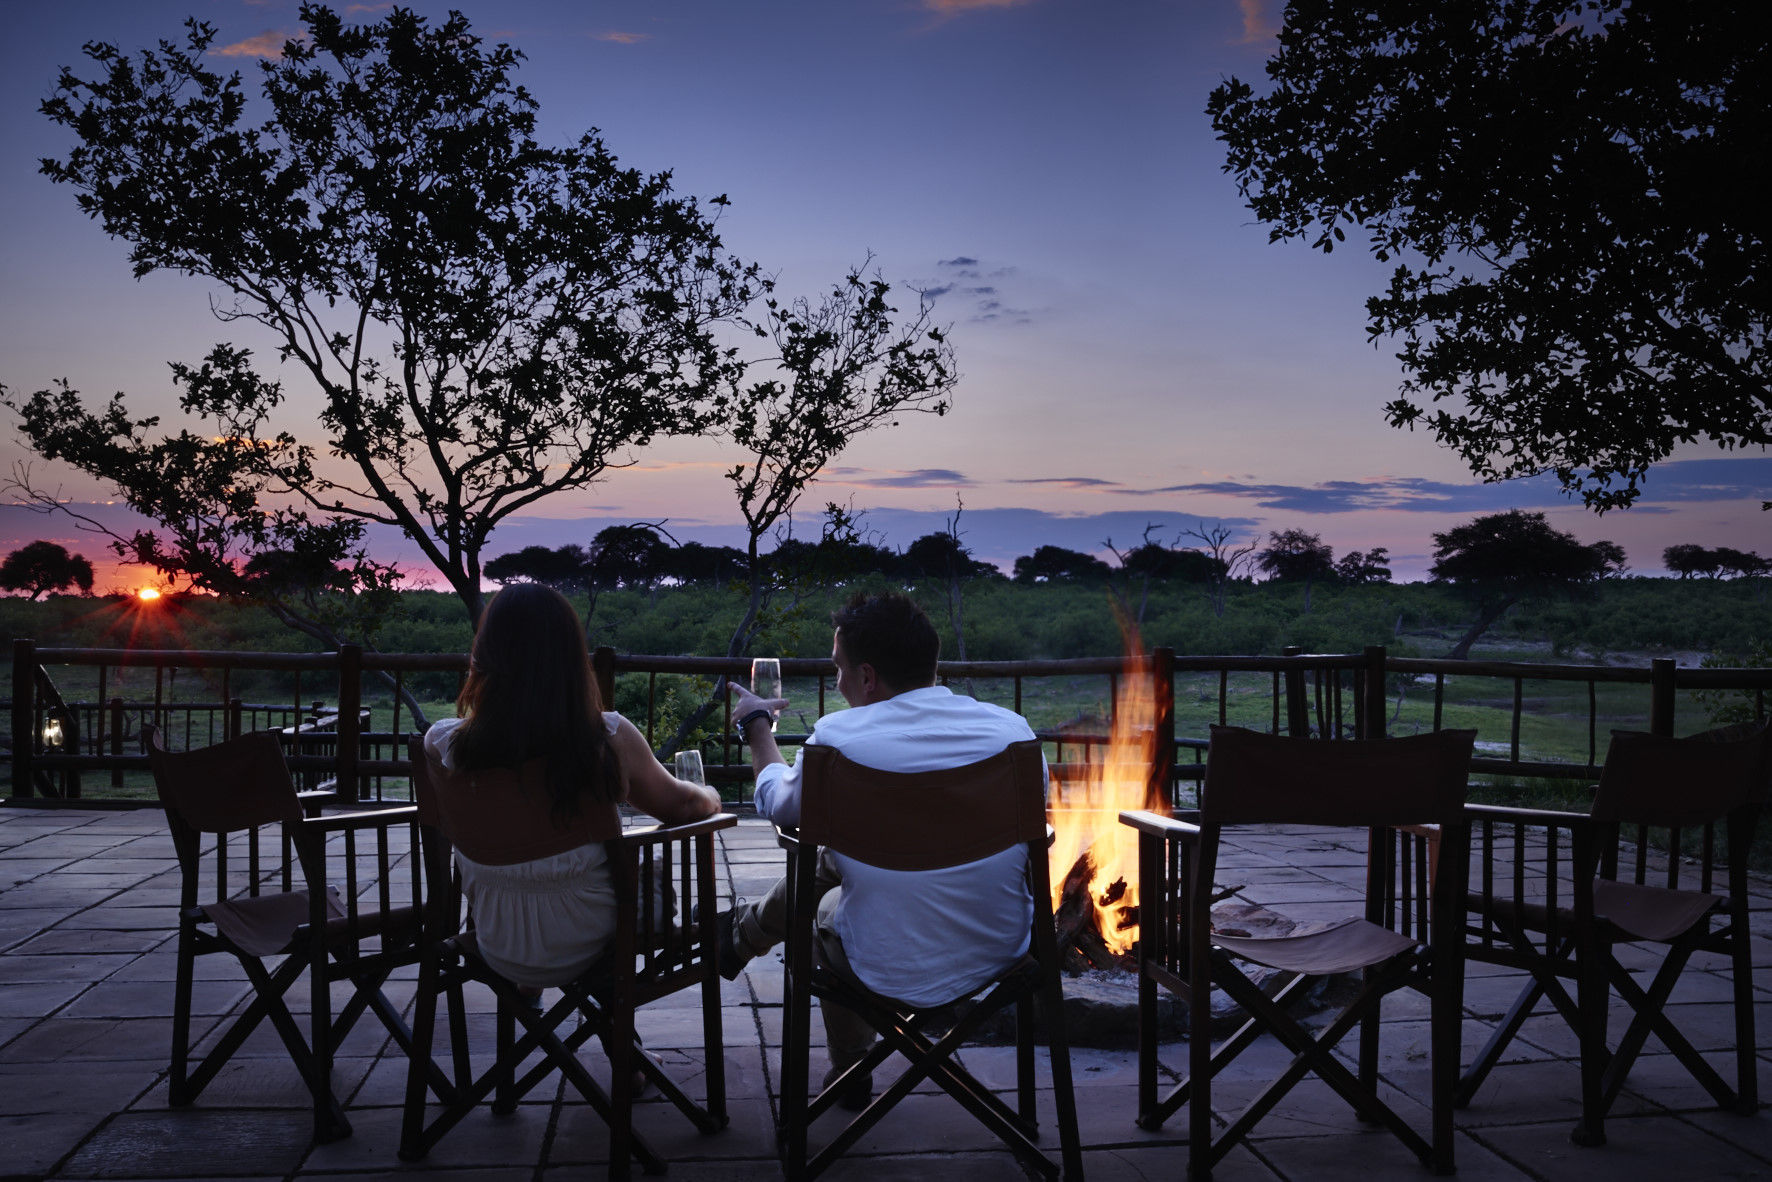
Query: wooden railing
[{"x": 331, "y": 739}]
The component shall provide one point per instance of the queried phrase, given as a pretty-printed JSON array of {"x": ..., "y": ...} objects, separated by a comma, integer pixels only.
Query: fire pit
[{"x": 1094, "y": 863}]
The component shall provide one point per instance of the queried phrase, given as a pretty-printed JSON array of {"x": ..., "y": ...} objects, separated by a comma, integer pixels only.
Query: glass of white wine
[
  {"x": 689, "y": 768},
  {"x": 766, "y": 680}
]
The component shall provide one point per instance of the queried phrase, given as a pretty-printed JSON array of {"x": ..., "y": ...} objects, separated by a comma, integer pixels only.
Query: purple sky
[{"x": 1132, "y": 349}]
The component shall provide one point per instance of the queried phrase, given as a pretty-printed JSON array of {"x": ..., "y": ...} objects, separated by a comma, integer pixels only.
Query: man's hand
[
  {"x": 744, "y": 701},
  {"x": 762, "y": 741}
]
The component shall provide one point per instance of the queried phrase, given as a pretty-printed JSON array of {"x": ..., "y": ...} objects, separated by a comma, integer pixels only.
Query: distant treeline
[{"x": 1004, "y": 619}]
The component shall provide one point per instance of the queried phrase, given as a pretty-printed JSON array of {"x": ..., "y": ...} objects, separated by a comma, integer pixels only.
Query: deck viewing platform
[{"x": 86, "y": 966}]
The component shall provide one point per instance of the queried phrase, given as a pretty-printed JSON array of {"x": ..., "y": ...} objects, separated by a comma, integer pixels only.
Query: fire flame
[{"x": 1085, "y": 811}]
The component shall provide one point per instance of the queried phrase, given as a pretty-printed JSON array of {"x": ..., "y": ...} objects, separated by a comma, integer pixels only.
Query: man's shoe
[
  {"x": 856, "y": 1096},
  {"x": 726, "y": 955}
]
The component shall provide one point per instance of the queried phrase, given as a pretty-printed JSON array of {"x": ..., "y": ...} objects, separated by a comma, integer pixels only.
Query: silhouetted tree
[
  {"x": 42, "y": 567},
  {"x": 564, "y": 569},
  {"x": 1229, "y": 561},
  {"x": 1049, "y": 564},
  {"x": 547, "y": 309},
  {"x": 1571, "y": 195},
  {"x": 1297, "y": 556},
  {"x": 1688, "y": 559},
  {"x": 1369, "y": 566},
  {"x": 1741, "y": 563},
  {"x": 694, "y": 562},
  {"x": 1502, "y": 558}
]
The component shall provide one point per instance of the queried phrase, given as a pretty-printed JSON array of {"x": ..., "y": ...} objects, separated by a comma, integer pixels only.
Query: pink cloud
[
  {"x": 267, "y": 44},
  {"x": 623, "y": 38},
  {"x": 1258, "y": 24},
  {"x": 952, "y": 7}
]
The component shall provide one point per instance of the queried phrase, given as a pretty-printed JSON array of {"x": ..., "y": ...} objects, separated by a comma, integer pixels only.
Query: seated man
[{"x": 922, "y": 937}]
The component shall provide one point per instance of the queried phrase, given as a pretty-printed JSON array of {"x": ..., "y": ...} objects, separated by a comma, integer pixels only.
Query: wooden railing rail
[{"x": 1334, "y": 695}]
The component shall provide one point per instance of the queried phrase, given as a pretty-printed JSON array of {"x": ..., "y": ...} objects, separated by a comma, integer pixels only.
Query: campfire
[{"x": 1095, "y": 901}]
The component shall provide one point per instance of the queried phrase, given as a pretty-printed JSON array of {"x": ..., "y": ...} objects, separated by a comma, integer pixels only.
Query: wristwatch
[{"x": 744, "y": 724}]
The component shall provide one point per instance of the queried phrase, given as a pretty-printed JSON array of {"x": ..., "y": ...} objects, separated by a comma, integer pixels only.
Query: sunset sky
[{"x": 1133, "y": 351}]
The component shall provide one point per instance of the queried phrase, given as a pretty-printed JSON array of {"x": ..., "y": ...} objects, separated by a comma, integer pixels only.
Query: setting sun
[{"x": 147, "y": 594}]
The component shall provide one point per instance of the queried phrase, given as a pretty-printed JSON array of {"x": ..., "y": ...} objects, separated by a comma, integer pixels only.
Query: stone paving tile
[
  {"x": 97, "y": 955},
  {"x": 37, "y": 1141},
  {"x": 34, "y": 1001},
  {"x": 28, "y": 1088},
  {"x": 1639, "y": 1147}
]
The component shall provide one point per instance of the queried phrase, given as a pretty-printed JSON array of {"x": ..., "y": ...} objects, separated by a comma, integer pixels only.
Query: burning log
[{"x": 1079, "y": 932}]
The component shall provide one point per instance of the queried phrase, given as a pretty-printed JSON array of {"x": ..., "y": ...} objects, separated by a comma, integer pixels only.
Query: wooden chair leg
[{"x": 179, "y": 1092}]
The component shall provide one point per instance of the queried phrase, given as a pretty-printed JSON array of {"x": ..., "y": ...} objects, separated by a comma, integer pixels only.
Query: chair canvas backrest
[
  {"x": 1413, "y": 780},
  {"x": 241, "y": 783},
  {"x": 883, "y": 818},
  {"x": 1678, "y": 783},
  {"x": 237, "y": 786}
]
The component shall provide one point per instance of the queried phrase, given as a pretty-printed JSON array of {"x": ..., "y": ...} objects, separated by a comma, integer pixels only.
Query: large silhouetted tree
[
  {"x": 42, "y": 567},
  {"x": 1056, "y": 564},
  {"x": 1501, "y": 558},
  {"x": 480, "y": 320},
  {"x": 1296, "y": 556},
  {"x": 1571, "y": 192}
]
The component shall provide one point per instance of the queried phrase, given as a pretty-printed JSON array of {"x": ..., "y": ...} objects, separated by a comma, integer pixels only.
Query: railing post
[
  {"x": 603, "y": 669},
  {"x": 1298, "y": 707},
  {"x": 350, "y": 728},
  {"x": 1661, "y": 696},
  {"x": 24, "y": 716},
  {"x": 1158, "y": 794},
  {"x": 117, "y": 740},
  {"x": 1373, "y": 705},
  {"x": 234, "y": 722}
]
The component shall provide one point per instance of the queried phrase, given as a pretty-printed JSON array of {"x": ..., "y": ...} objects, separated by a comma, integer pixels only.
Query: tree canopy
[
  {"x": 1571, "y": 191},
  {"x": 1688, "y": 559},
  {"x": 1365, "y": 566},
  {"x": 1055, "y": 563},
  {"x": 1502, "y": 558},
  {"x": 488, "y": 320},
  {"x": 42, "y": 567}
]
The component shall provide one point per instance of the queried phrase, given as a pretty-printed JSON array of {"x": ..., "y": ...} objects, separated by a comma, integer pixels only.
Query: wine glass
[
  {"x": 766, "y": 681},
  {"x": 689, "y": 768}
]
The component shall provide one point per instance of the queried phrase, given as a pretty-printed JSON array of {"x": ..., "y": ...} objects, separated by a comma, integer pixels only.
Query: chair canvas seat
[
  {"x": 1644, "y": 912},
  {"x": 1344, "y": 946},
  {"x": 264, "y": 925}
]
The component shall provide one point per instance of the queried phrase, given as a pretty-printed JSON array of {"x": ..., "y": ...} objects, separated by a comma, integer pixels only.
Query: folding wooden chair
[
  {"x": 649, "y": 957},
  {"x": 1408, "y": 793},
  {"x": 218, "y": 801},
  {"x": 1558, "y": 890},
  {"x": 913, "y": 822}
]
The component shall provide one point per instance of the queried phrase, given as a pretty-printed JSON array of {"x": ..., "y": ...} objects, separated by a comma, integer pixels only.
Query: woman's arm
[{"x": 652, "y": 789}]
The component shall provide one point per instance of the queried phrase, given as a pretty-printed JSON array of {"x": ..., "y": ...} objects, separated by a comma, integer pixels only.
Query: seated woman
[{"x": 528, "y": 779}]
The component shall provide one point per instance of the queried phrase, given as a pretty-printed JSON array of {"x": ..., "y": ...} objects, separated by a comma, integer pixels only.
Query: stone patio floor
[{"x": 86, "y": 968}]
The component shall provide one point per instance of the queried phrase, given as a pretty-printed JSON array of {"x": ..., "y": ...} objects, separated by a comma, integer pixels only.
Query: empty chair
[
  {"x": 1408, "y": 793},
  {"x": 1557, "y": 891},
  {"x": 238, "y": 896},
  {"x": 882, "y": 818}
]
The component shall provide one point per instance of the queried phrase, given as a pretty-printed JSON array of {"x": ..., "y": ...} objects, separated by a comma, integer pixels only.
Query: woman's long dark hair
[{"x": 530, "y": 695}]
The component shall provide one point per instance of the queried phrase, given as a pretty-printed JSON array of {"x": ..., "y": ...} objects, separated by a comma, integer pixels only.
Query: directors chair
[
  {"x": 1560, "y": 890},
  {"x": 220, "y": 801},
  {"x": 885, "y": 820},
  {"x": 650, "y": 956},
  {"x": 1408, "y": 794}
]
